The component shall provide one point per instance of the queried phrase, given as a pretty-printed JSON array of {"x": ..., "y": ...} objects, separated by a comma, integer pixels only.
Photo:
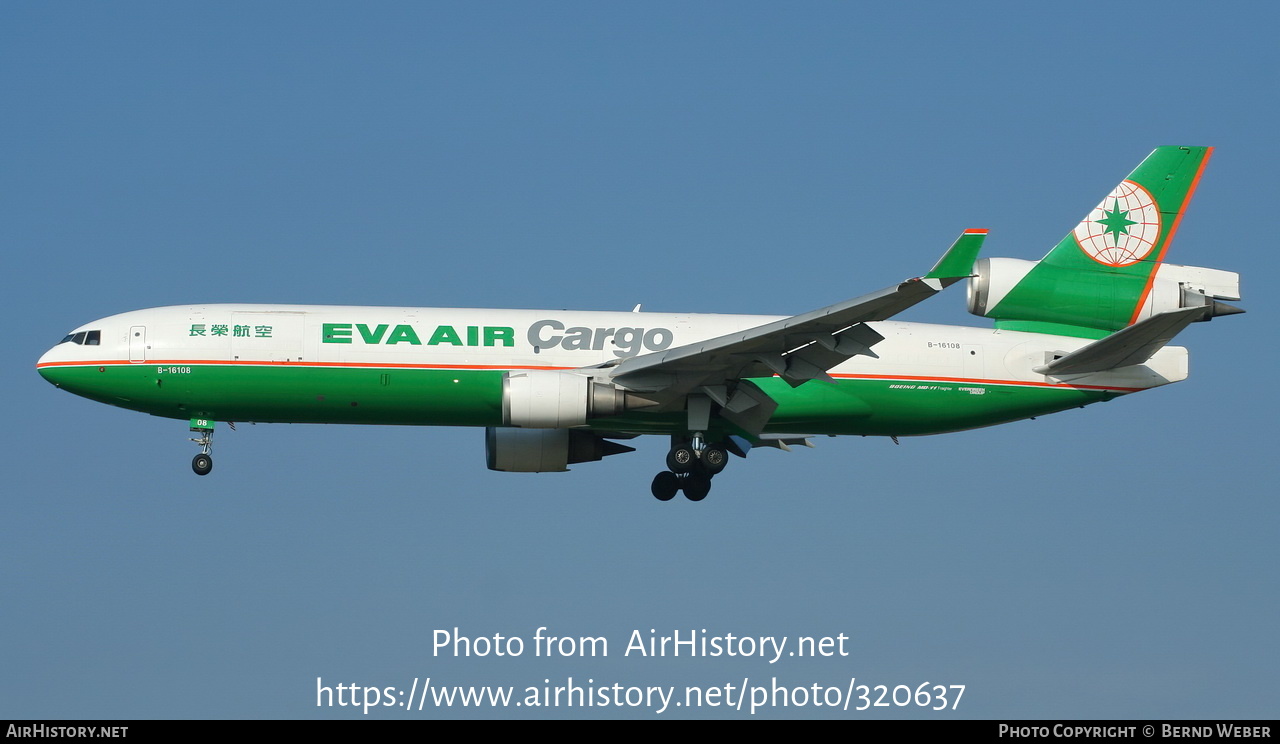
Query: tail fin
[{"x": 1099, "y": 278}]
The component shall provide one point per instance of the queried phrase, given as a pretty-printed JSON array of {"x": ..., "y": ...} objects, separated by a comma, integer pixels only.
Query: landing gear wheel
[
  {"x": 714, "y": 458},
  {"x": 202, "y": 464},
  {"x": 697, "y": 485},
  {"x": 681, "y": 458},
  {"x": 665, "y": 485}
]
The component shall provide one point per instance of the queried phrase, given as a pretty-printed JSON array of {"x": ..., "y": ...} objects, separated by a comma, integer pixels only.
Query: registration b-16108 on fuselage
[{"x": 1089, "y": 322}]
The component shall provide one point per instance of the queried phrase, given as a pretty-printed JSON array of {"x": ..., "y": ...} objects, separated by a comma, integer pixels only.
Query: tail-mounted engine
[{"x": 1094, "y": 298}]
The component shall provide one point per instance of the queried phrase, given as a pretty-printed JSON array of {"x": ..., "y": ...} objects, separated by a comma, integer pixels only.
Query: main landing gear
[
  {"x": 691, "y": 465},
  {"x": 203, "y": 462}
]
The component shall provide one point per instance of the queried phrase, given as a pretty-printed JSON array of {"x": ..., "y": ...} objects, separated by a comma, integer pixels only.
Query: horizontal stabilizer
[{"x": 1132, "y": 345}]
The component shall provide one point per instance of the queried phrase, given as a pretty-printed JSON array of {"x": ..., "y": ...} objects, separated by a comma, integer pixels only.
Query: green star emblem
[{"x": 1116, "y": 222}]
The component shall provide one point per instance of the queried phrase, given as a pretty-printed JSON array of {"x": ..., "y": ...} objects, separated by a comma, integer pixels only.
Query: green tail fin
[{"x": 1097, "y": 279}]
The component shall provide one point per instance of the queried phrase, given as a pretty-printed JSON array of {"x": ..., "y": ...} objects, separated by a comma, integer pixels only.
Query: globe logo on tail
[{"x": 1123, "y": 229}]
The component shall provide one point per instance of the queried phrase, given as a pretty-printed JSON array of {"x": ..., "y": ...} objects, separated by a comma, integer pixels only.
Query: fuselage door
[{"x": 138, "y": 344}]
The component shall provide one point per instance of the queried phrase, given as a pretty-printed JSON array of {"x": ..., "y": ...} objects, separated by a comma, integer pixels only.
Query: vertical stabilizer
[{"x": 1098, "y": 277}]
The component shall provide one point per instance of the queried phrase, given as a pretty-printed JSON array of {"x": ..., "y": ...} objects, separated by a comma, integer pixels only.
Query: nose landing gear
[{"x": 203, "y": 462}]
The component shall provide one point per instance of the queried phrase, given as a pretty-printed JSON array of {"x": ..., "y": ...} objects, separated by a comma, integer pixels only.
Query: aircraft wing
[{"x": 797, "y": 349}]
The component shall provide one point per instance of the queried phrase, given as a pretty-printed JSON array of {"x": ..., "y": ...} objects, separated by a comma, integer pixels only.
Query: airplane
[{"x": 1089, "y": 322}]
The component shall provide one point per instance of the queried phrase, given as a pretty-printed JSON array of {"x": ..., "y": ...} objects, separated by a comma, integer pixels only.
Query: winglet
[{"x": 957, "y": 263}]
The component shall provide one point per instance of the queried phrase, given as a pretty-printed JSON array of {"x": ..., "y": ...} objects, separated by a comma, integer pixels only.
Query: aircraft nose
[
  {"x": 47, "y": 368},
  {"x": 77, "y": 362}
]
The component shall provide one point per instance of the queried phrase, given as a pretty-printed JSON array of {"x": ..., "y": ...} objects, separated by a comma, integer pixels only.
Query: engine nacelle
[
  {"x": 555, "y": 399},
  {"x": 544, "y": 450},
  {"x": 1095, "y": 299},
  {"x": 991, "y": 281},
  {"x": 1192, "y": 286}
]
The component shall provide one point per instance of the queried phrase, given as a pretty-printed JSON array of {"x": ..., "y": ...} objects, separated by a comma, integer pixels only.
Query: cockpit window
[{"x": 84, "y": 338}]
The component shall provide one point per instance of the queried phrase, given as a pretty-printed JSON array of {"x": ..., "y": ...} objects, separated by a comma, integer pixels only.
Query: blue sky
[{"x": 1118, "y": 561}]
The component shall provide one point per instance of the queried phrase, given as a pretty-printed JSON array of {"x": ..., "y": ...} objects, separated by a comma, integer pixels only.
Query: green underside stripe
[{"x": 434, "y": 397}]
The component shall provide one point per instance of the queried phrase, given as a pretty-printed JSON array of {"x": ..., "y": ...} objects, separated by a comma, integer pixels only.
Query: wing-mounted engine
[
  {"x": 545, "y": 450},
  {"x": 539, "y": 407},
  {"x": 558, "y": 399},
  {"x": 1092, "y": 298}
]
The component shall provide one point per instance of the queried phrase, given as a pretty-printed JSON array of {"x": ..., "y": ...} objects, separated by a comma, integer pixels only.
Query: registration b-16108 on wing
[{"x": 1087, "y": 323}]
